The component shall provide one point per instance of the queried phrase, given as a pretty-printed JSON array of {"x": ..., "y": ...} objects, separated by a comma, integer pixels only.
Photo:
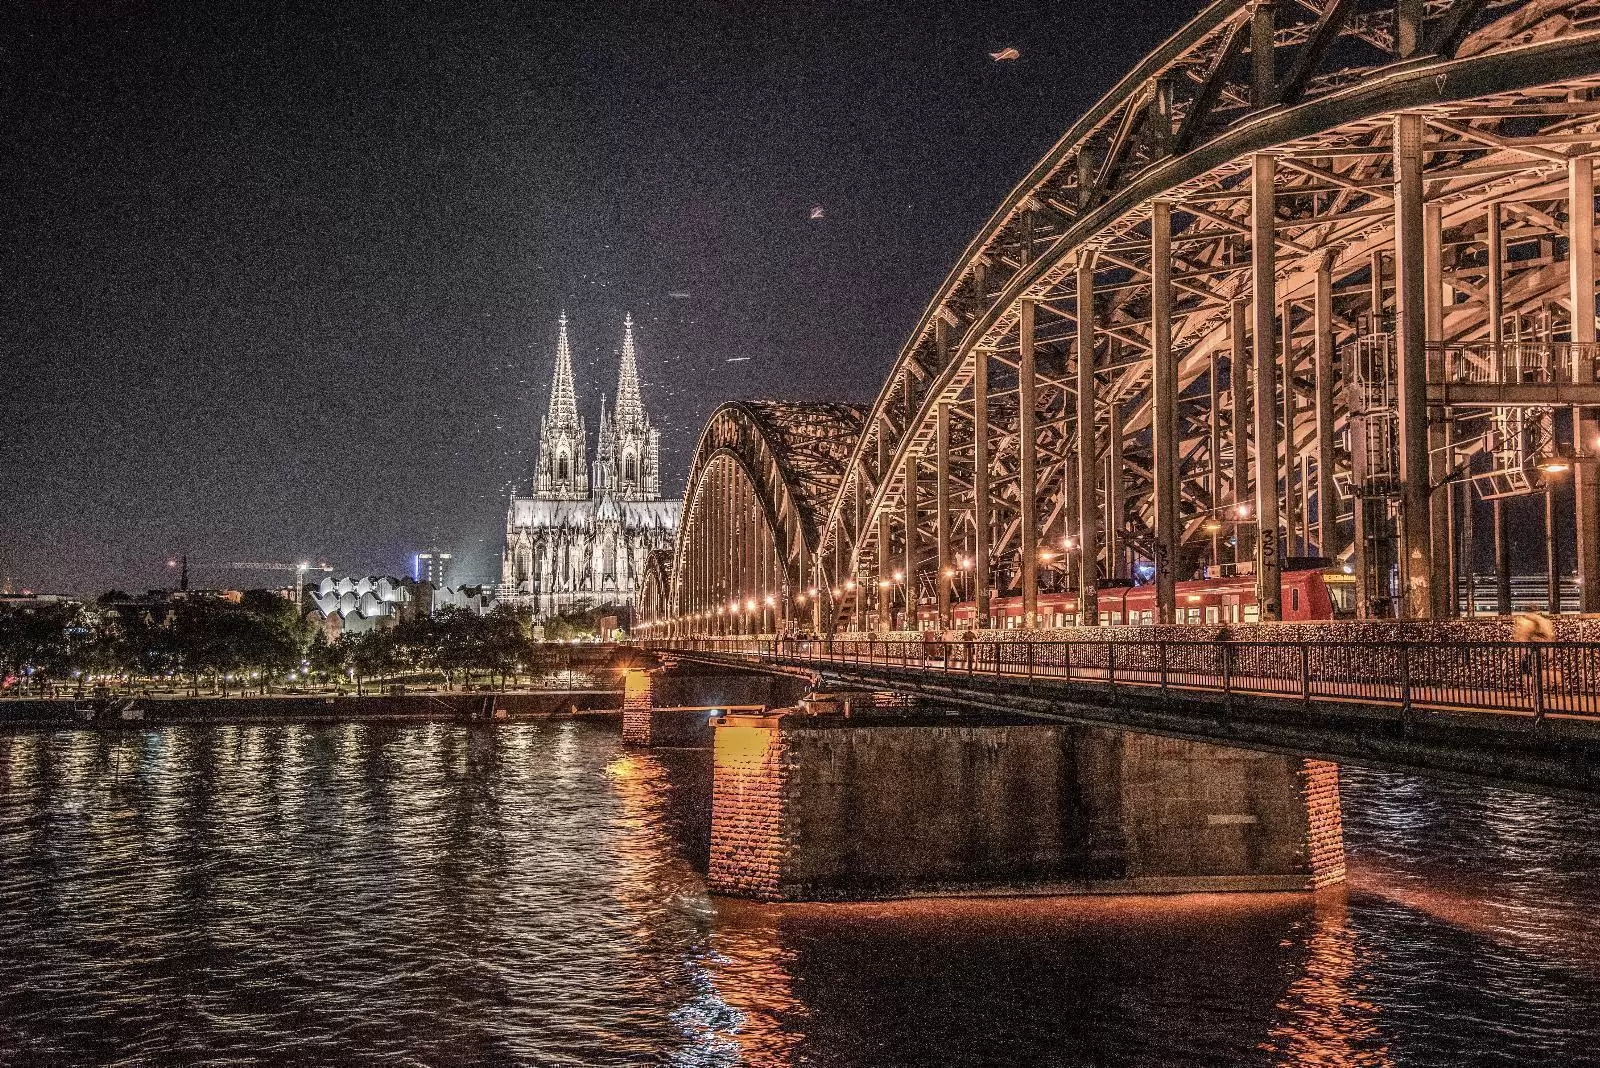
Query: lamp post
[{"x": 1552, "y": 467}]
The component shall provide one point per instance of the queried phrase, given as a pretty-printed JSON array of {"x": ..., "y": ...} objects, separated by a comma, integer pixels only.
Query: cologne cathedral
[{"x": 583, "y": 534}]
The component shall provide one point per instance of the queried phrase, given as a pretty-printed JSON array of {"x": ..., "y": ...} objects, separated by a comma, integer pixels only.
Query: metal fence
[
  {"x": 1512, "y": 363},
  {"x": 1529, "y": 679}
]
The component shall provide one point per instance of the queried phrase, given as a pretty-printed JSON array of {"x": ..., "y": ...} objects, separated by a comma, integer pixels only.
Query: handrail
[
  {"x": 1512, "y": 363},
  {"x": 1535, "y": 680}
]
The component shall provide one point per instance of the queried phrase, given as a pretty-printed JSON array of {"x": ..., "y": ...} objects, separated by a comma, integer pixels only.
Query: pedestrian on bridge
[{"x": 1530, "y": 628}]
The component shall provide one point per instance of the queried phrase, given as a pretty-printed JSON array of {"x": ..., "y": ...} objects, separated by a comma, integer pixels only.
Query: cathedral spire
[
  {"x": 630, "y": 405},
  {"x": 563, "y": 469},
  {"x": 563, "y": 395},
  {"x": 633, "y": 446}
]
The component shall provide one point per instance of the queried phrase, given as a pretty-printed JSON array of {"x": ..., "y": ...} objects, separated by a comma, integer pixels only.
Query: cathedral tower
[
  {"x": 582, "y": 538},
  {"x": 634, "y": 445},
  {"x": 563, "y": 471}
]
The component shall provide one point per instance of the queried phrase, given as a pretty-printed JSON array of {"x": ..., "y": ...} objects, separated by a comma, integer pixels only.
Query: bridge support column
[
  {"x": 942, "y": 509},
  {"x": 1239, "y": 427},
  {"x": 1293, "y": 515},
  {"x": 1214, "y": 451},
  {"x": 1494, "y": 289},
  {"x": 980, "y": 485},
  {"x": 1088, "y": 508},
  {"x": 1328, "y": 543},
  {"x": 1263, "y": 264},
  {"x": 1165, "y": 412},
  {"x": 913, "y": 549},
  {"x": 1113, "y": 522},
  {"x": 1585, "y": 421},
  {"x": 807, "y": 809},
  {"x": 1411, "y": 357},
  {"x": 885, "y": 591},
  {"x": 1027, "y": 448}
]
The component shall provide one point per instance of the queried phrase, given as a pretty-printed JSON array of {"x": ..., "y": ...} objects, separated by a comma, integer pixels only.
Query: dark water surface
[{"x": 419, "y": 895}]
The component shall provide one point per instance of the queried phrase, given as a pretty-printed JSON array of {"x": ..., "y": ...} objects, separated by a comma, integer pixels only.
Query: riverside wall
[{"x": 123, "y": 711}]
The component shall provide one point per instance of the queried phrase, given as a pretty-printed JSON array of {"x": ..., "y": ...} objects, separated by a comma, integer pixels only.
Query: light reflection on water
[{"x": 532, "y": 894}]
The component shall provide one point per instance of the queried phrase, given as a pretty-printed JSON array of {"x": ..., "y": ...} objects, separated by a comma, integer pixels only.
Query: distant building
[
  {"x": 584, "y": 533},
  {"x": 356, "y": 605},
  {"x": 432, "y": 565}
]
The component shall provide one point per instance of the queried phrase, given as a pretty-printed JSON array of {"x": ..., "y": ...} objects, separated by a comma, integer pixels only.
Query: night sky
[{"x": 281, "y": 280}]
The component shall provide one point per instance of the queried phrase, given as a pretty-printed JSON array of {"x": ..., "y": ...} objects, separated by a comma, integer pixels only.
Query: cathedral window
[
  {"x": 627, "y": 474},
  {"x": 561, "y": 469}
]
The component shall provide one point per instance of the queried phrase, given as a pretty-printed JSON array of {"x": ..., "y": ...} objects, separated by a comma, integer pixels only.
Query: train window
[
  {"x": 1116, "y": 619},
  {"x": 1343, "y": 596},
  {"x": 1212, "y": 614},
  {"x": 1252, "y": 613}
]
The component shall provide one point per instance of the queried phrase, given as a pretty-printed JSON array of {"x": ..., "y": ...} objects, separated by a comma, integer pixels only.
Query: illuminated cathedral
[{"x": 582, "y": 535}]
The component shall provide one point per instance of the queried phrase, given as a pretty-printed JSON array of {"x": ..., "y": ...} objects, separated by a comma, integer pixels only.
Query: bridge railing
[
  {"x": 1512, "y": 363},
  {"x": 1530, "y": 679}
]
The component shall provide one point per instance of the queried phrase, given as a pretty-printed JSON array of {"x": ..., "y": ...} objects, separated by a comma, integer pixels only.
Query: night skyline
[{"x": 286, "y": 284}]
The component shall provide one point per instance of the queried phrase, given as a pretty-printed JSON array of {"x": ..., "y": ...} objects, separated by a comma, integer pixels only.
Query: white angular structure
[{"x": 583, "y": 534}]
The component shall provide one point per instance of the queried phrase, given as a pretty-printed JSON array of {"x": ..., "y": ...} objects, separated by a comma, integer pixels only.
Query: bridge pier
[
  {"x": 808, "y": 808},
  {"x": 675, "y": 706}
]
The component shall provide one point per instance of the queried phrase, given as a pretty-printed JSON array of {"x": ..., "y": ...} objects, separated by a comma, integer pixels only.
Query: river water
[{"x": 533, "y": 894}]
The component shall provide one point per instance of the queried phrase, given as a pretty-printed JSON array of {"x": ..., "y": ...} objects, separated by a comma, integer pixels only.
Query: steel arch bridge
[
  {"x": 763, "y": 475},
  {"x": 1310, "y": 276}
]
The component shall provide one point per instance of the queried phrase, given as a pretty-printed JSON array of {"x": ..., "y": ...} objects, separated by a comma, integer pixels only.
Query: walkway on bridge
[{"x": 1524, "y": 714}]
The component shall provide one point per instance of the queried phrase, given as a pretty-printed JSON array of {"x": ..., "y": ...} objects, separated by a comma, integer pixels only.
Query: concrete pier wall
[{"x": 806, "y": 810}]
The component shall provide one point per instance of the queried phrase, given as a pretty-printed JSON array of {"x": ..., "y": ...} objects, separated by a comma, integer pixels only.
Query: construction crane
[
  {"x": 299, "y": 570},
  {"x": 181, "y": 564}
]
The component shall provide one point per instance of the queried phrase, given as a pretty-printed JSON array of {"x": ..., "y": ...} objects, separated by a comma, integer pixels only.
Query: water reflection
[{"x": 533, "y": 894}]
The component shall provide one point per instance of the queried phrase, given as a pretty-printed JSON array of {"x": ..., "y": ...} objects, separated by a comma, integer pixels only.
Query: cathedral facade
[{"x": 581, "y": 537}]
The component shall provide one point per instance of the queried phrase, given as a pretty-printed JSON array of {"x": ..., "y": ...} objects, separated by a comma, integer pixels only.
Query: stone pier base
[{"x": 806, "y": 809}]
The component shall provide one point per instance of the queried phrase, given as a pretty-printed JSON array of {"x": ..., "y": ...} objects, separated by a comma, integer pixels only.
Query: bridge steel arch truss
[
  {"x": 1309, "y": 270},
  {"x": 761, "y": 476}
]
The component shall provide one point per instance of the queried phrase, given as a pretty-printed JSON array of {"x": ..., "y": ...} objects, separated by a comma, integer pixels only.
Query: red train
[{"x": 1311, "y": 590}]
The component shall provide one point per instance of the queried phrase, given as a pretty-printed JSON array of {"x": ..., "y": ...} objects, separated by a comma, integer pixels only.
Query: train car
[{"x": 1312, "y": 590}]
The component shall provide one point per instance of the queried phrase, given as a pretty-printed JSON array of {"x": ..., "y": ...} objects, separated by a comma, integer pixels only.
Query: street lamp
[{"x": 1552, "y": 467}]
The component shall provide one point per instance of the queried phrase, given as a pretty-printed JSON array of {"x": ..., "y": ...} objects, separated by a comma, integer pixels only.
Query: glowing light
[
  {"x": 1554, "y": 467},
  {"x": 1211, "y": 526},
  {"x": 769, "y": 602},
  {"x": 899, "y": 575},
  {"x": 949, "y": 572},
  {"x": 850, "y": 584},
  {"x": 1244, "y": 511}
]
